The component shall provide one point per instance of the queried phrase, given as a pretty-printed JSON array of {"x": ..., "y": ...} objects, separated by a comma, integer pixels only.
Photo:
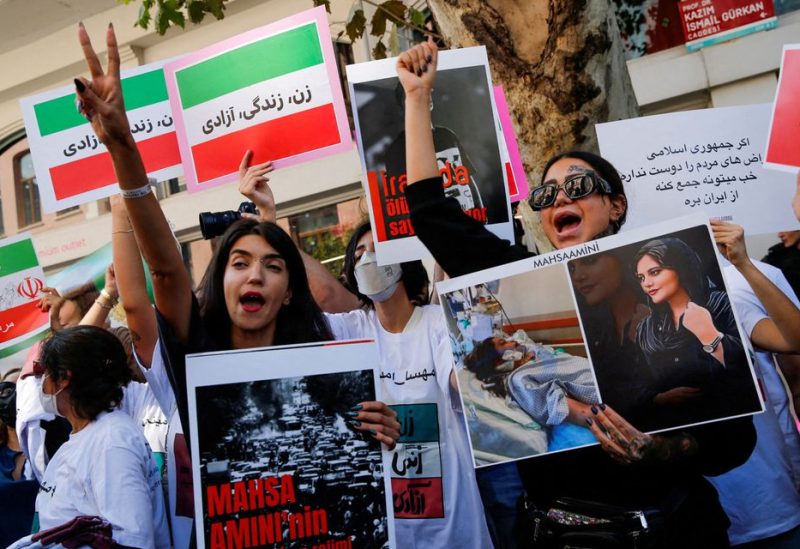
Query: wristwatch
[{"x": 711, "y": 347}]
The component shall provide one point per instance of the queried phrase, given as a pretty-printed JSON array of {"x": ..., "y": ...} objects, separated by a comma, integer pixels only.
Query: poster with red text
[
  {"x": 784, "y": 131},
  {"x": 467, "y": 135},
  {"x": 275, "y": 460}
]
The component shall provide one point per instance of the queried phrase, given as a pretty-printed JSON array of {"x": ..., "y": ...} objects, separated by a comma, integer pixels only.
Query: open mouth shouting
[
  {"x": 252, "y": 302},
  {"x": 567, "y": 223}
]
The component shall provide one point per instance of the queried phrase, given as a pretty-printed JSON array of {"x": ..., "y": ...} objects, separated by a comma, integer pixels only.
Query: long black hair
[
  {"x": 673, "y": 253},
  {"x": 414, "y": 277},
  {"x": 604, "y": 169},
  {"x": 301, "y": 321}
]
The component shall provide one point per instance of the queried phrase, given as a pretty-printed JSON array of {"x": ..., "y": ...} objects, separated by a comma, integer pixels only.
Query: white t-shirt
[
  {"x": 140, "y": 403},
  {"x": 181, "y": 509},
  {"x": 751, "y": 311},
  {"x": 107, "y": 470},
  {"x": 761, "y": 497},
  {"x": 436, "y": 499},
  {"x": 29, "y": 430}
]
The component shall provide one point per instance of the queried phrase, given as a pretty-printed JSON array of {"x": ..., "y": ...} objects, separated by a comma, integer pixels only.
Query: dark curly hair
[
  {"x": 95, "y": 363},
  {"x": 301, "y": 321},
  {"x": 415, "y": 277}
]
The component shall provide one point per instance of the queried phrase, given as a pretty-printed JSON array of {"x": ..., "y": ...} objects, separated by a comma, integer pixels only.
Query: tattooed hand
[{"x": 626, "y": 444}]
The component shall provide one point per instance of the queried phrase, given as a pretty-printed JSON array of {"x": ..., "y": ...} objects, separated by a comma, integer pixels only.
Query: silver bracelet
[{"x": 140, "y": 192}]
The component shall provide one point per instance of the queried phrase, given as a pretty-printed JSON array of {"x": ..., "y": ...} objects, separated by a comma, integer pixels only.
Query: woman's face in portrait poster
[
  {"x": 597, "y": 278},
  {"x": 658, "y": 282},
  {"x": 567, "y": 222}
]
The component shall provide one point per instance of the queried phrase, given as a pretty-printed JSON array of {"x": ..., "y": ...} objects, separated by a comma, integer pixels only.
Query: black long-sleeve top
[{"x": 462, "y": 245}]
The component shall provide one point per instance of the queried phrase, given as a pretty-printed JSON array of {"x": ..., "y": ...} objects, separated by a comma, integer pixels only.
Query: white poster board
[
  {"x": 706, "y": 160},
  {"x": 273, "y": 455}
]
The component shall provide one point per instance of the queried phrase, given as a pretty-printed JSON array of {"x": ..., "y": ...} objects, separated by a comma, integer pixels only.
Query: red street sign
[
  {"x": 705, "y": 18},
  {"x": 30, "y": 287}
]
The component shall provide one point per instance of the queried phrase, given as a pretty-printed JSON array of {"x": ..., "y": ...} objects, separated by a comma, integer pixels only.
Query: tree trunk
[{"x": 560, "y": 62}]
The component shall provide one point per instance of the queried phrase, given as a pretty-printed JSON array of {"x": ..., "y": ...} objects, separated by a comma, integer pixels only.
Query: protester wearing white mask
[
  {"x": 105, "y": 469},
  {"x": 418, "y": 382},
  {"x": 378, "y": 282}
]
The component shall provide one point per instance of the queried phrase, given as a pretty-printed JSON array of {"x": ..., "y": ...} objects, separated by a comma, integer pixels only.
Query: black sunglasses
[{"x": 575, "y": 187}]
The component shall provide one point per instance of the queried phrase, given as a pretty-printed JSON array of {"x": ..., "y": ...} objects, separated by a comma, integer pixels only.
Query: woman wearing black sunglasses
[{"x": 582, "y": 199}]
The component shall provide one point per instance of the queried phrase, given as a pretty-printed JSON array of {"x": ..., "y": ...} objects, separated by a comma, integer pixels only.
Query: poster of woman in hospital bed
[{"x": 525, "y": 382}]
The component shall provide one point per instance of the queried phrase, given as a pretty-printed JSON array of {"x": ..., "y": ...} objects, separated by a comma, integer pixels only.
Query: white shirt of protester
[
  {"x": 180, "y": 504},
  {"x": 436, "y": 499},
  {"x": 107, "y": 470},
  {"x": 141, "y": 404},
  {"x": 31, "y": 435},
  {"x": 761, "y": 497}
]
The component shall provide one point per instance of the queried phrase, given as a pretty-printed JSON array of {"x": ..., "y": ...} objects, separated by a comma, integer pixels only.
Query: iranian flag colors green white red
[
  {"x": 274, "y": 90},
  {"x": 72, "y": 167},
  {"x": 21, "y": 280}
]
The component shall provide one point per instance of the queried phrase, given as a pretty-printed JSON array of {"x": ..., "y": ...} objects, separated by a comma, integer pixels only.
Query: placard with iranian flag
[
  {"x": 274, "y": 90},
  {"x": 72, "y": 167},
  {"x": 21, "y": 280},
  {"x": 783, "y": 154}
]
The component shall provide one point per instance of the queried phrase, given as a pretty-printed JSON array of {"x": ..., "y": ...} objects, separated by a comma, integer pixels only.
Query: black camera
[{"x": 215, "y": 223}]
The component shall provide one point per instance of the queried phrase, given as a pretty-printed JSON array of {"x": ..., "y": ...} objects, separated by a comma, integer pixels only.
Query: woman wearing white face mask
[
  {"x": 105, "y": 469},
  {"x": 436, "y": 500}
]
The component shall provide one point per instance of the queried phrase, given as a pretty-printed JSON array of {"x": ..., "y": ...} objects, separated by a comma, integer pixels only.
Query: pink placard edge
[{"x": 511, "y": 144}]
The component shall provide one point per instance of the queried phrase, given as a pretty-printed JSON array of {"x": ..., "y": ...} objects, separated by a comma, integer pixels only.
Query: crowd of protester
[{"x": 96, "y": 423}]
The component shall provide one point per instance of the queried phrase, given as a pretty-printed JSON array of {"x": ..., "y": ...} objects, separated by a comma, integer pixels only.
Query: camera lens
[{"x": 215, "y": 223}]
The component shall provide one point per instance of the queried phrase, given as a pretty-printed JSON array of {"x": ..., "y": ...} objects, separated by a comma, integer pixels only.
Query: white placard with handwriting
[{"x": 708, "y": 160}]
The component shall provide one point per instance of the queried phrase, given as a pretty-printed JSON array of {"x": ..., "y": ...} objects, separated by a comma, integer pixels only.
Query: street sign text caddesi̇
[{"x": 708, "y": 22}]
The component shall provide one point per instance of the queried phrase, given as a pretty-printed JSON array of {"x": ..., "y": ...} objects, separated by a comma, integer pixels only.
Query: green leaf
[
  {"x": 197, "y": 11},
  {"x": 177, "y": 18},
  {"x": 396, "y": 8},
  {"x": 378, "y": 23},
  {"x": 379, "y": 51},
  {"x": 144, "y": 16},
  {"x": 216, "y": 8},
  {"x": 394, "y": 41},
  {"x": 391, "y": 10},
  {"x": 326, "y": 3},
  {"x": 164, "y": 16},
  {"x": 416, "y": 17},
  {"x": 356, "y": 25}
]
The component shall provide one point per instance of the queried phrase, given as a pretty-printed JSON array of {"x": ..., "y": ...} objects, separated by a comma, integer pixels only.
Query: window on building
[
  {"x": 785, "y": 6},
  {"x": 29, "y": 210},
  {"x": 69, "y": 210},
  {"x": 344, "y": 57},
  {"x": 323, "y": 232},
  {"x": 167, "y": 188}
]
